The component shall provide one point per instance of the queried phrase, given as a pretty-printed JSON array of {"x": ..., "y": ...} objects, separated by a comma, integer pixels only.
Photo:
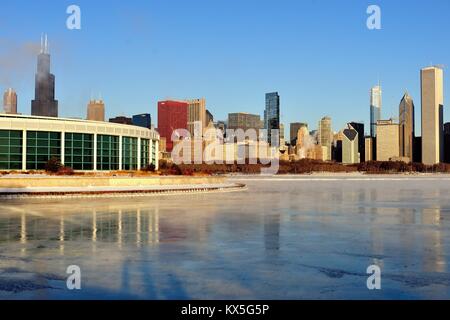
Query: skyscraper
[
  {"x": 406, "y": 126},
  {"x": 244, "y": 121},
  {"x": 272, "y": 116},
  {"x": 44, "y": 103},
  {"x": 387, "y": 142},
  {"x": 96, "y": 110},
  {"x": 447, "y": 142},
  {"x": 325, "y": 135},
  {"x": 359, "y": 127},
  {"x": 121, "y": 120},
  {"x": 432, "y": 93},
  {"x": 10, "y": 101},
  {"x": 143, "y": 120},
  {"x": 350, "y": 146},
  {"x": 172, "y": 115},
  {"x": 375, "y": 109},
  {"x": 209, "y": 117},
  {"x": 197, "y": 114},
  {"x": 294, "y": 127}
]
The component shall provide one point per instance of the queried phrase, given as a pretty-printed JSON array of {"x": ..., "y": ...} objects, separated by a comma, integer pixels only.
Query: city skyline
[{"x": 299, "y": 97}]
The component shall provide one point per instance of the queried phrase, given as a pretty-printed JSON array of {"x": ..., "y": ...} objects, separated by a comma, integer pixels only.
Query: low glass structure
[{"x": 29, "y": 142}]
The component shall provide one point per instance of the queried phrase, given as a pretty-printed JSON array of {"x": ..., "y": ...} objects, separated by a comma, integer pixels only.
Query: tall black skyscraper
[
  {"x": 44, "y": 103},
  {"x": 272, "y": 117}
]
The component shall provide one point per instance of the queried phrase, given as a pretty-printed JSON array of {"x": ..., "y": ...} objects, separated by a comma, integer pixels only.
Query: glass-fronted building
[
  {"x": 272, "y": 117},
  {"x": 29, "y": 142}
]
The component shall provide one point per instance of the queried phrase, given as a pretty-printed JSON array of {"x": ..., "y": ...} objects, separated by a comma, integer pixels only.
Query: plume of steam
[
  {"x": 17, "y": 60},
  {"x": 305, "y": 143}
]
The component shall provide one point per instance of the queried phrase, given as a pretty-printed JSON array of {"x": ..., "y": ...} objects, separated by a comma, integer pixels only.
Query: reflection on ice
[{"x": 280, "y": 239}]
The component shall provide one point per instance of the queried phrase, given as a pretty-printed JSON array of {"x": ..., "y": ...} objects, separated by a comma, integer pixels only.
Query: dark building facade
[
  {"x": 359, "y": 127},
  {"x": 209, "y": 117},
  {"x": 447, "y": 142},
  {"x": 143, "y": 120},
  {"x": 44, "y": 103},
  {"x": 417, "y": 149},
  {"x": 121, "y": 120},
  {"x": 272, "y": 117}
]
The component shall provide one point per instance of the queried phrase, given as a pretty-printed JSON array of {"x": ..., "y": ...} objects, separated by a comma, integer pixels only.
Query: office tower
[
  {"x": 121, "y": 120},
  {"x": 209, "y": 117},
  {"x": 294, "y": 127},
  {"x": 304, "y": 140},
  {"x": 375, "y": 109},
  {"x": 432, "y": 84},
  {"x": 359, "y": 127},
  {"x": 417, "y": 156},
  {"x": 44, "y": 103},
  {"x": 350, "y": 146},
  {"x": 143, "y": 120},
  {"x": 447, "y": 142},
  {"x": 244, "y": 121},
  {"x": 221, "y": 125},
  {"x": 272, "y": 116},
  {"x": 406, "y": 127},
  {"x": 388, "y": 147},
  {"x": 96, "y": 110},
  {"x": 172, "y": 115},
  {"x": 197, "y": 114},
  {"x": 282, "y": 139},
  {"x": 10, "y": 102},
  {"x": 325, "y": 135},
  {"x": 368, "y": 146}
]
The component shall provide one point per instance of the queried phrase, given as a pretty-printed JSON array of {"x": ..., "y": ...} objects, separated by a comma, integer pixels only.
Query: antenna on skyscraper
[
  {"x": 42, "y": 42},
  {"x": 46, "y": 44}
]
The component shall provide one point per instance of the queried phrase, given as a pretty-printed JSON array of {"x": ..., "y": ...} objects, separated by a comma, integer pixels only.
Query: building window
[
  {"x": 41, "y": 147},
  {"x": 107, "y": 152},
  {"x": 129, "y": 153},
  {"x": 79, "y": 151},
  {"x": 145, "y": 153},
  {"x": 10, "y": 150},
  {"x": 154, "y": 155}
]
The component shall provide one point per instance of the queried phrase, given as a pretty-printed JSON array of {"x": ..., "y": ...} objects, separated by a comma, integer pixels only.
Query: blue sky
[{"x": 318, "y": 54}]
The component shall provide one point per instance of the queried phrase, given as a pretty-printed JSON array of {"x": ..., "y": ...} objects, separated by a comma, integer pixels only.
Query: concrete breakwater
[{"x": 55, "y": 187}]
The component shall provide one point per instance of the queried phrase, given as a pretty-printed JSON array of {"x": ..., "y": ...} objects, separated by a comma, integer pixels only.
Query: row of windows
[
  {"x": 78, "y": 150},
  {"x": 107, "y": 152},
  {"x": 42, "y": 146},
  {"x": 129, "y": 153}
]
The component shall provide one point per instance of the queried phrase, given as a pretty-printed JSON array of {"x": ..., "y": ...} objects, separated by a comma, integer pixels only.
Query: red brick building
[{"x": 172, "y": 115}]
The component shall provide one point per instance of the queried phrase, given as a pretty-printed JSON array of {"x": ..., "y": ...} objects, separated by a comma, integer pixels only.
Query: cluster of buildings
[
  {"x": 132, "y": 143},
  {"x": 28, "y": 142}
]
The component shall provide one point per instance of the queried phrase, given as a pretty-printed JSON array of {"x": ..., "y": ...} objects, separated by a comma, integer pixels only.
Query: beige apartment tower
[
  {"x": 96, "y": 110},
  {"x": 432, "y": 92},
  {"x": 326, "y": 135},
  {"x": 196, "y": 114},
  {"x": 10, "y": 102},
  {"x": 406, "y": 127},
  {"x": 388, "y": 146}
]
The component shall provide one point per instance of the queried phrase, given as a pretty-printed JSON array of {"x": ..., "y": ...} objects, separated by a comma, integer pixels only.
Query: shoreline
[{"x": 107, "y": 192}]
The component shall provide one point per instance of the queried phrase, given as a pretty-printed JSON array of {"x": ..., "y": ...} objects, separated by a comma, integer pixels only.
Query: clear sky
[{"x": 318, "y": 54}]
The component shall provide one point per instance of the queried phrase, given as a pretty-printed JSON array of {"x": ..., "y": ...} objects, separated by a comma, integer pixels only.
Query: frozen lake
[{"x": 283, "y": 238}]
